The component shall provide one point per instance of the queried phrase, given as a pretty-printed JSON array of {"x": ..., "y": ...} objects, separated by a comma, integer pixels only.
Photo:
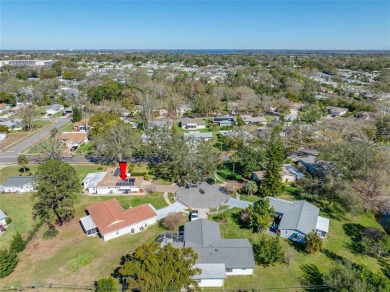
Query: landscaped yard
[
  {"x": 67, "y": 128},
  {"x": 19, "y": 208},
  {"x": 73, "y": 256},
  {"x": 40, "y": 124}
]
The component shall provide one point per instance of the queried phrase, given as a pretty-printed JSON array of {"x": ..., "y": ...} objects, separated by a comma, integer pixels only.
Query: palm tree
[
  {"x": 313, "y": 242},
  {"x": 251, "y": 187},
  {"x": 234, "y": 159}
]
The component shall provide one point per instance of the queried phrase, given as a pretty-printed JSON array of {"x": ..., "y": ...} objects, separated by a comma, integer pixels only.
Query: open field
[
  {"x": 72, "y": 258},
  {"x": 19, "y": 208}
]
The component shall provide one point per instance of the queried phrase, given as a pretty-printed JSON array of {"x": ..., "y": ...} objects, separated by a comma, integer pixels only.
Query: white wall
[
  {"x": 2, "y": 222},
  {"x": 288, "y": 233},
  {"x": 127, "y": 229},
  {"x": 211, "y": 283},
  {"x": 25, "y": 189},
  {"x": 107, "y": 190},
  {"x": 235, "y": 272}
]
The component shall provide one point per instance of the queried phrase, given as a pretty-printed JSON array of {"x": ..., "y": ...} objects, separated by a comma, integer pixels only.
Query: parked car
[
  {"x": 73, "y": 148},
  {"x": 210, "y": 181},
  {"x": 194, "y": 215}
]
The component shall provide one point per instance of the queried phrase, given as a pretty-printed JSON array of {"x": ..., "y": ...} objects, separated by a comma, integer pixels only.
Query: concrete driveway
[{"x": 174, "y": 208}]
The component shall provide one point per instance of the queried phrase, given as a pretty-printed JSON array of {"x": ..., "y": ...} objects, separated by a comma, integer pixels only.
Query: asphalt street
[{"x": 11, "y": 155}]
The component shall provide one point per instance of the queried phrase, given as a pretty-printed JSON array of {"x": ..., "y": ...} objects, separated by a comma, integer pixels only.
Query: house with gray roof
[
  {"x": 206, "y": 136},
  {"x": 295, "y": 219},
  {"x": 217, "y": 257},
  {"x": 53, "y": 109},
  {"x": 19, "y": 184}
]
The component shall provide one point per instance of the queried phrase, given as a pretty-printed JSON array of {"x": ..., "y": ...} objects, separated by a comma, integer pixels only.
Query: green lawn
[
  {"x": 40, "y": 124},
  {"x": 67, "y": 128},
  {"x": 337, "y": 244},
  {"x": 19, "y": 208},
  {"x": 85, "y": 149}
]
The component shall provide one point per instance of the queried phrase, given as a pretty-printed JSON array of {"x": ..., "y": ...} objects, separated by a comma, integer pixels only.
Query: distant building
[
  {"x": 74, "y": 138},
  {"x": 81, "y": 125},
  {"x": 249, "y": 120},
  {"x": 337, "y": 111},
  {"x": 224, "y": 121},
  {"x": 27, "y": 63},
  {"x": 53, "y": 109},
  {"x": 206, "y": 136}
]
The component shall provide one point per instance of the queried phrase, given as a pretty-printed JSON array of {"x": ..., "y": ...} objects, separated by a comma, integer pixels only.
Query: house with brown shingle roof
[
  {"x": 110, "y": 220},
  {"x": 73, "y": 138},
  {"x": 82, "y": 125},
  {"x": 110, "y": 182}
]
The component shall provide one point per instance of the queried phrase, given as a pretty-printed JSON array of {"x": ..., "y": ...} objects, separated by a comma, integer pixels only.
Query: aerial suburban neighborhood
[{"x": 191, "y": 171}]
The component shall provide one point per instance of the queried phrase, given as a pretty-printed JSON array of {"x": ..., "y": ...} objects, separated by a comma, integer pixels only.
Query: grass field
[
  {"x": 67, "y": 128},
  {"x": 19, "y": 208},
  {"x": 81, "y": 170},
  {"x": 72, "y": 258},
  {"x": 338, "y": 243},
  {"x": 40, "y": 124}
]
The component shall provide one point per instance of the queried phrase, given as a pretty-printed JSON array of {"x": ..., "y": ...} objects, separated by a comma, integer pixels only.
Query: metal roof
[
  {"x": 322, "y": 224},
  {"x": 18, "y": 181},
  {"x": 2, "y": 215},
  {"x": 88, "y": 223},
  {"x": 96, "y": 179},
  {"x": 198, "y": 135}
]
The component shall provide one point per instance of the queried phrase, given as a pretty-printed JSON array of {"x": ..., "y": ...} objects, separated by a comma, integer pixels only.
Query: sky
[{"x": 199, "y": 24}]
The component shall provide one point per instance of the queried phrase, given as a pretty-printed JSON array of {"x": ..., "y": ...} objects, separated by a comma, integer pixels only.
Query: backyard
[{"x": 71, "y": 255}]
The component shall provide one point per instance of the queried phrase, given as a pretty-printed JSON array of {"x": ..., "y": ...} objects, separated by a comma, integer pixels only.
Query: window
[
  {"x": 117, "y": 233},
  {"x": 132, "y": 230},
  {"x": 243, "y": 269},
  {"x": 229, "y": 270}
]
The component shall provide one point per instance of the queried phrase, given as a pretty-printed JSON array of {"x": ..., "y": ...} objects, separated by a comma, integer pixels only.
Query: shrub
[
  {"x": 106, "y": 285},
  {"x": 8, "y": 220},
  {"x": 17, "y": 243},
  {"x": 99, "y": 168},
  {"x": 173, "y": 221},
  {"x": 221, "y": 217},
  {"x": 50, "y": 233},
  {"x": 313, "y": 242},
  {"x": 146, "y": 176},
  {"x": 268, "y": 251},
  {"x": 8, "y": 261}
]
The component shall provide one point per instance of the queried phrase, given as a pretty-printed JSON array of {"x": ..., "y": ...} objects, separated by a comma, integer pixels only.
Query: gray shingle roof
[
  {"x": 299, "y": 215},
  {"x": 211, "y": 271},
  {"x": 205, "y": 238},
  {"x": 2, "y": 215},
  {"x": 18, "y": 181}
]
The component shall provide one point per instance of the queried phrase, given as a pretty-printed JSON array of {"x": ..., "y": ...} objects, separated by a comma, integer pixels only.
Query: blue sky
[{"x": 310, "y": 24}]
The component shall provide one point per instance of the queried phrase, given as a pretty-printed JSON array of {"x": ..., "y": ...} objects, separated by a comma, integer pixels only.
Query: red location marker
[{"x": 123, "y": 169}]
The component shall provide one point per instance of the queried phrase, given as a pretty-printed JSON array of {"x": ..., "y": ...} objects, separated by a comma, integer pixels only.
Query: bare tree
[{"x": 52, "y": 147}]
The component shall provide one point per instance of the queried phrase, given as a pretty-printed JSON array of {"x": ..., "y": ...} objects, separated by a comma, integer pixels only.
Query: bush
[
  {"x": 313, "y": 242},
  {"x": 222, "y": 218},
  {"x": 50, "y": 233},
  {"x": 146, "y": 176},
  {"x": 8, "y": 261},
  {"x": 17, "y": 243},
  {"x": 106, "y": 285},
  {"x": 99, "y": 168},
  {"x": 173, "y": 221},
  {"x": 8, "y": 220},
  {"x": 268, "y": 251}
]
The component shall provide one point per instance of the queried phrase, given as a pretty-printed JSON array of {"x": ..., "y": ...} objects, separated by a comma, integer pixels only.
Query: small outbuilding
[{"x": 19, "y": 184}]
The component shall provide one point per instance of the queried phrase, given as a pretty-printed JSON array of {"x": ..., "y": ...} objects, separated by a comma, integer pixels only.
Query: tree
[
  {"x": 260, "y": 215},
  {"x": 27, "y": 115},
  {"x": 101, "y": 121},
  {"x": 251, "y": 187},
  {"x": 375, "y": 243},
  {"x": 17, "y": 243},
  {"x": 313, "y": 242},
  {"x": 117, "y": 142},
  {"x": 268, "y": 251},
  {"x": 4, "y": 129},
  {"x": 56, "y": 191},
  {"x": 251, "y": 159},
  {"x": 76, "y": 114},
  {"x": 23, "y": 75},
  {"x": 7, "y": 98},
  {"x": 52, "y": 147},
  {"x": 272, "y": 185},
  {"x": 156, "y": 268},
  {"x": 8, "y": 261},
  {"x": 234, "y": 159},
  {"x": 23, "y": 161},
  {"x": 239, "y": 120},
  {"x": 106, "y": 285},
  {"x": 173, "y": 221}
]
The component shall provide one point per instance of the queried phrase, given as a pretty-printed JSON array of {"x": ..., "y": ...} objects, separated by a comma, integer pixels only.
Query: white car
[{"x": 194, "y": 215}]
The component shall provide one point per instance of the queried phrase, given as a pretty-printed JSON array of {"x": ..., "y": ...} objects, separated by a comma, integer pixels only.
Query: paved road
[
  {"x": 234, "y": 203},
  {"x": 174, "y": 208},
  {"x": 11, "y": 155}
]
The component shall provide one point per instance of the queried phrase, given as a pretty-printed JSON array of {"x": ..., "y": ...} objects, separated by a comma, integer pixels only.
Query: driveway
[
  {"x": 174, "y": 208},
  {"x": 234, "y": 203},
  {"x": 11, "y": 155}
]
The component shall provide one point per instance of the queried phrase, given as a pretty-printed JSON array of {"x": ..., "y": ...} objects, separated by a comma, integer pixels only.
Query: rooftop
[{"x": 18, "y": 181}]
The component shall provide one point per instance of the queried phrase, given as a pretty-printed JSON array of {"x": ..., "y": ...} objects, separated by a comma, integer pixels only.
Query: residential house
[
  {"x": 54, "y": 109},
  {"x": 206, "y": 136},
  {"x": 110, "y": 220},
  {"x": 224, "y": 121},
  {"x": 73, "y": 138},
  {"x": 192, "y": 124},
  {"x": 363, "y": 116},
  {"x": 110, "y": 182},
  {"x": 19, "y": 184},
  {"x": 243, "y": 135},
  {"x": 82, "y": 125},
  {"x": 217, "y": 257},
  {"x": 336, "y": 111},
  {"x": 68, "y": 110},
  {"x": 249, "y": 120},
  {"x": 13, "y": 125},
  {"x": 295, "y": 219},
  {"x": 288, "y": 174},
  {"x": 163, "y": 123}
]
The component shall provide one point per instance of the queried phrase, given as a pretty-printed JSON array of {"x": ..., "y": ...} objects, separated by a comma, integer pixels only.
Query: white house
[
  {"x": 192, "y": 124},
  {"x": 217, "y": 257},
  {"x": 3, "y": 218},
  {"x": 206, "y": 136},
  {"x": 110, "y": 220},
  {"x": 19, "y": 184},
  {"x": 110, "y": 183},
  {"x": 249, "y": 120}
]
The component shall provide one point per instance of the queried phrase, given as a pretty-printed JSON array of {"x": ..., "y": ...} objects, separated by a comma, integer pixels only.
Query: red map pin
[{"x": 123, "y": 169}]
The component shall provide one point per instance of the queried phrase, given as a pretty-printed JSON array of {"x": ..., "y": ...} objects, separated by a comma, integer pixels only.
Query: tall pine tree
[
  {"x": 8, "y": 261},
  {"x": 272, "y": 184}
]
